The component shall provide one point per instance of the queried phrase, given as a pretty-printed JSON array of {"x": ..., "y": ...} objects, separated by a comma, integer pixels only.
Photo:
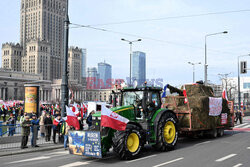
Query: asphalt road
[{"x": 231, "y": 150}]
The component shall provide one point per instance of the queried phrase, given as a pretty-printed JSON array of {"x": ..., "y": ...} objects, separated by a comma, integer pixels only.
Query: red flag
[
  {"x": 72, "y": 119},
  {"x": 112, "y": 119}
]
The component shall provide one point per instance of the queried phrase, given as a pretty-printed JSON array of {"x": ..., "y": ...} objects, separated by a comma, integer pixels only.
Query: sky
[{"x": 169, "y": 44}]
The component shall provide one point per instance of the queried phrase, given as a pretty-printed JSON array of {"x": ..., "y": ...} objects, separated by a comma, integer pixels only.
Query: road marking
[
  {"x": 247, "y": 126},
  {"x": 205, "y": 142},
  {"x": 75, "y": 164},
  {"x": 141, "y": 158},
  {"x": 31, "y": 159},
  {"x": 237, "y": 165},
  {"x": 165, "y": 163},
  {"x": 59, "y": 152},
  {"x": 248, "y": 148},
  {"x": 241, "y": 125},
  {"x": 226, "y": 157}
]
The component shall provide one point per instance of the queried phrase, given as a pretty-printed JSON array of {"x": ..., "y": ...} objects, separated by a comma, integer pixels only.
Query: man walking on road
[
  {"x": 238, "y": 116},
  {"x": 25, "y": 132},
  {"x": 34, "y": 130}
]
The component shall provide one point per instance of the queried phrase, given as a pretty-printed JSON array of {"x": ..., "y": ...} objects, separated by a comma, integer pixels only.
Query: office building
[
  {"x": 105, "y": 73},
  {"x": 139, "y": 67}
]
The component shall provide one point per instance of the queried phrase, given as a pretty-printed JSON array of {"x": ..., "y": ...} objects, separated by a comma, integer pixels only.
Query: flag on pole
[
  {"x": 112, "y": 119},
  {"x": 224, "y": 94},
  {"x": 72, "y": 118}
]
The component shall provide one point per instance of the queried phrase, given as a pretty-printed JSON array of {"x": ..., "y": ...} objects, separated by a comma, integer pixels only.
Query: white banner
[{"x": 215, "y": 106}]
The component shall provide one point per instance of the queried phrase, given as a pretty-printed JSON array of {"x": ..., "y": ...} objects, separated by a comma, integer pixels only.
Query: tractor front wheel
[
  {"x": 128, "y": 144},
  {"x": 167, "y": 132}
]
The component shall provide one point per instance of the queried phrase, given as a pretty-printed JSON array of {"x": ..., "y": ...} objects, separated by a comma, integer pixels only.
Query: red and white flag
[
  {"x": 224, "y": 94},
  {"x": 185, "y": 94},
  {"x": 75, "y": 109},
  {"x": 112, "y": 119},
  {"x": 72, "y": 119}
]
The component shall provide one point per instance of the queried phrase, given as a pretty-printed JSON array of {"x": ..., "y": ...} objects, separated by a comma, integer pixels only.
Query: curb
[{"x": 30, "y": 151}]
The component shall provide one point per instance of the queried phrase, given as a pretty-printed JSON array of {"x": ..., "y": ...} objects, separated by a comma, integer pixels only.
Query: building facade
[
  {"x": 105, "y": 74},
  {"x": 84, "y": 64},
  {"x": 43, "y": 20},
  {"x": 37, "y": 59},
  {"x": 12, "y": 56},
  {"x": 75, "y": 63},
  {"x": 139, "y": 67}
]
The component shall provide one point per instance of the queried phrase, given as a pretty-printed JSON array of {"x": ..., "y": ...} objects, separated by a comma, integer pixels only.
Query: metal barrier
[{"x": 11, "y": 137}]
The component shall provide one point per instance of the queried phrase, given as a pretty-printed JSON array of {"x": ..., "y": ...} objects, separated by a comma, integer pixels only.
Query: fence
[{"x": 10, "y": 136}]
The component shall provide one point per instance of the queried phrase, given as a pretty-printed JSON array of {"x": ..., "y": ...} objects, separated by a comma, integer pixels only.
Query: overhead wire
[
  {"x": 172, "y": 17},
  {"x": 144, "y": 37}
]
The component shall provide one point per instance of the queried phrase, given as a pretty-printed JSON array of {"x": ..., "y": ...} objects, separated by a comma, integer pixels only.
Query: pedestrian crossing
[{"x": 242, "y": 127}]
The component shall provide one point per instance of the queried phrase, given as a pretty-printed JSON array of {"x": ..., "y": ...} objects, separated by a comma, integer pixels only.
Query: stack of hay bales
[{"x": 198, "y": 101}]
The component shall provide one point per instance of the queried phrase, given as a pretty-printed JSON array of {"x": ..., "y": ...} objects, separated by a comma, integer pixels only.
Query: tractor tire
[
  {"x": 167, "y": 132},
  {"x": 128, "y": 144}
]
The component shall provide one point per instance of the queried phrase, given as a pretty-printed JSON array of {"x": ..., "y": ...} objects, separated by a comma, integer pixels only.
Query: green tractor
[{"x": 148, "y": 123}]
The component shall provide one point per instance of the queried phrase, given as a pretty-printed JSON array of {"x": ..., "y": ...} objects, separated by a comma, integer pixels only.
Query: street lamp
[
  {"x": 130, "y": 43},
  {"x": 64, "y": 84},
  {"x": 193, "y": 64},
  {"x": 239, "y": 98},
  {"x": 205, "y": 65}
]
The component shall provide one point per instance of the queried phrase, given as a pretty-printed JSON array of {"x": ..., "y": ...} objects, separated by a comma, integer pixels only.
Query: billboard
[
  {"x": 31, "y": 101},
  {"x": 86, "y": 143}
]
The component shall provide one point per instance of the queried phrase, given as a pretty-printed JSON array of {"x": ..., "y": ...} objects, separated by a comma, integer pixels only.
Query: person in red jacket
[{"x": 57, "y": 122}]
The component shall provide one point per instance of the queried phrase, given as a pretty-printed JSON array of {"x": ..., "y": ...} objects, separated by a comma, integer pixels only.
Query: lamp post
[
  {"x": 193, "y": 64},
  {"x": 64, "y": 85},
  {"x": 239, "y": 98},
  {"x": 130, "y": 43},
  {"x": 205, "y": 65}
]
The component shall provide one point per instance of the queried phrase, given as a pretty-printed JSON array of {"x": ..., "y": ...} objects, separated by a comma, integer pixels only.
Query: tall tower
[
  {"x": 105, "y": 71},
  {"x": 139, "y": 67},
  {"x": 43, "y": 21}
]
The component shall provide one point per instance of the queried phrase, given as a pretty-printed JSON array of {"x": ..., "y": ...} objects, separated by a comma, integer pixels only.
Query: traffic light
[{"x": 243, "y": 67}]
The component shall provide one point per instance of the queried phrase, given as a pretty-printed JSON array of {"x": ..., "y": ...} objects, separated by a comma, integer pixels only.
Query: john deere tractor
[{"x": 148, "y": 123}]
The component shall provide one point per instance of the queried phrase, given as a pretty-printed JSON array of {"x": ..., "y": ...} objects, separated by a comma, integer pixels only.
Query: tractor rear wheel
[
  {"x": 167, "y": 132},
  {"x": 128, "y": 144}
]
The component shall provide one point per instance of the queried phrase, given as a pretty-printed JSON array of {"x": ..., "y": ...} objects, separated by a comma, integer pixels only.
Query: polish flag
[
  {"x": 57, "y": 106},
  {"x": 112, "y": 119},
  {"x": 75, "y": 109},
  {"x": 185, "y": 94},
  {"x": 72, "y": 118},
  {"x": 83, "y": 109},
  {"x": 224, "y": 94}
]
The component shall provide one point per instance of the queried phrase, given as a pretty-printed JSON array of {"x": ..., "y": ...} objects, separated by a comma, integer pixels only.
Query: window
[{"x": 246, "y": 85}]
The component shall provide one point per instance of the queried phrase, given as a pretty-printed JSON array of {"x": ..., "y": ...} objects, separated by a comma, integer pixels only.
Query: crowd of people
[{"x": 49, "y": 123}]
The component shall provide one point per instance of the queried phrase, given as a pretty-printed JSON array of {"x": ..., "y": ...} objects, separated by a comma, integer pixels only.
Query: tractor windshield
[{"x": 131, "y": 98}]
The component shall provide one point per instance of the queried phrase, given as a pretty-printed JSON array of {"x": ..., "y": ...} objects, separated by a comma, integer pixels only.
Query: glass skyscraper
[
  {"x": 105, "y": 72},
  {"x": 139, "y": 67}
]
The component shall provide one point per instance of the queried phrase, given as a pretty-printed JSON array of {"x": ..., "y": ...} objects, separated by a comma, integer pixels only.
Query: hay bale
[{"x": 198, "y": 90}]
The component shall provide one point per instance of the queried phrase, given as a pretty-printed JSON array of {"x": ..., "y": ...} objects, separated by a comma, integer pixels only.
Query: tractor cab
[{"x": 145, "y": 100}]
